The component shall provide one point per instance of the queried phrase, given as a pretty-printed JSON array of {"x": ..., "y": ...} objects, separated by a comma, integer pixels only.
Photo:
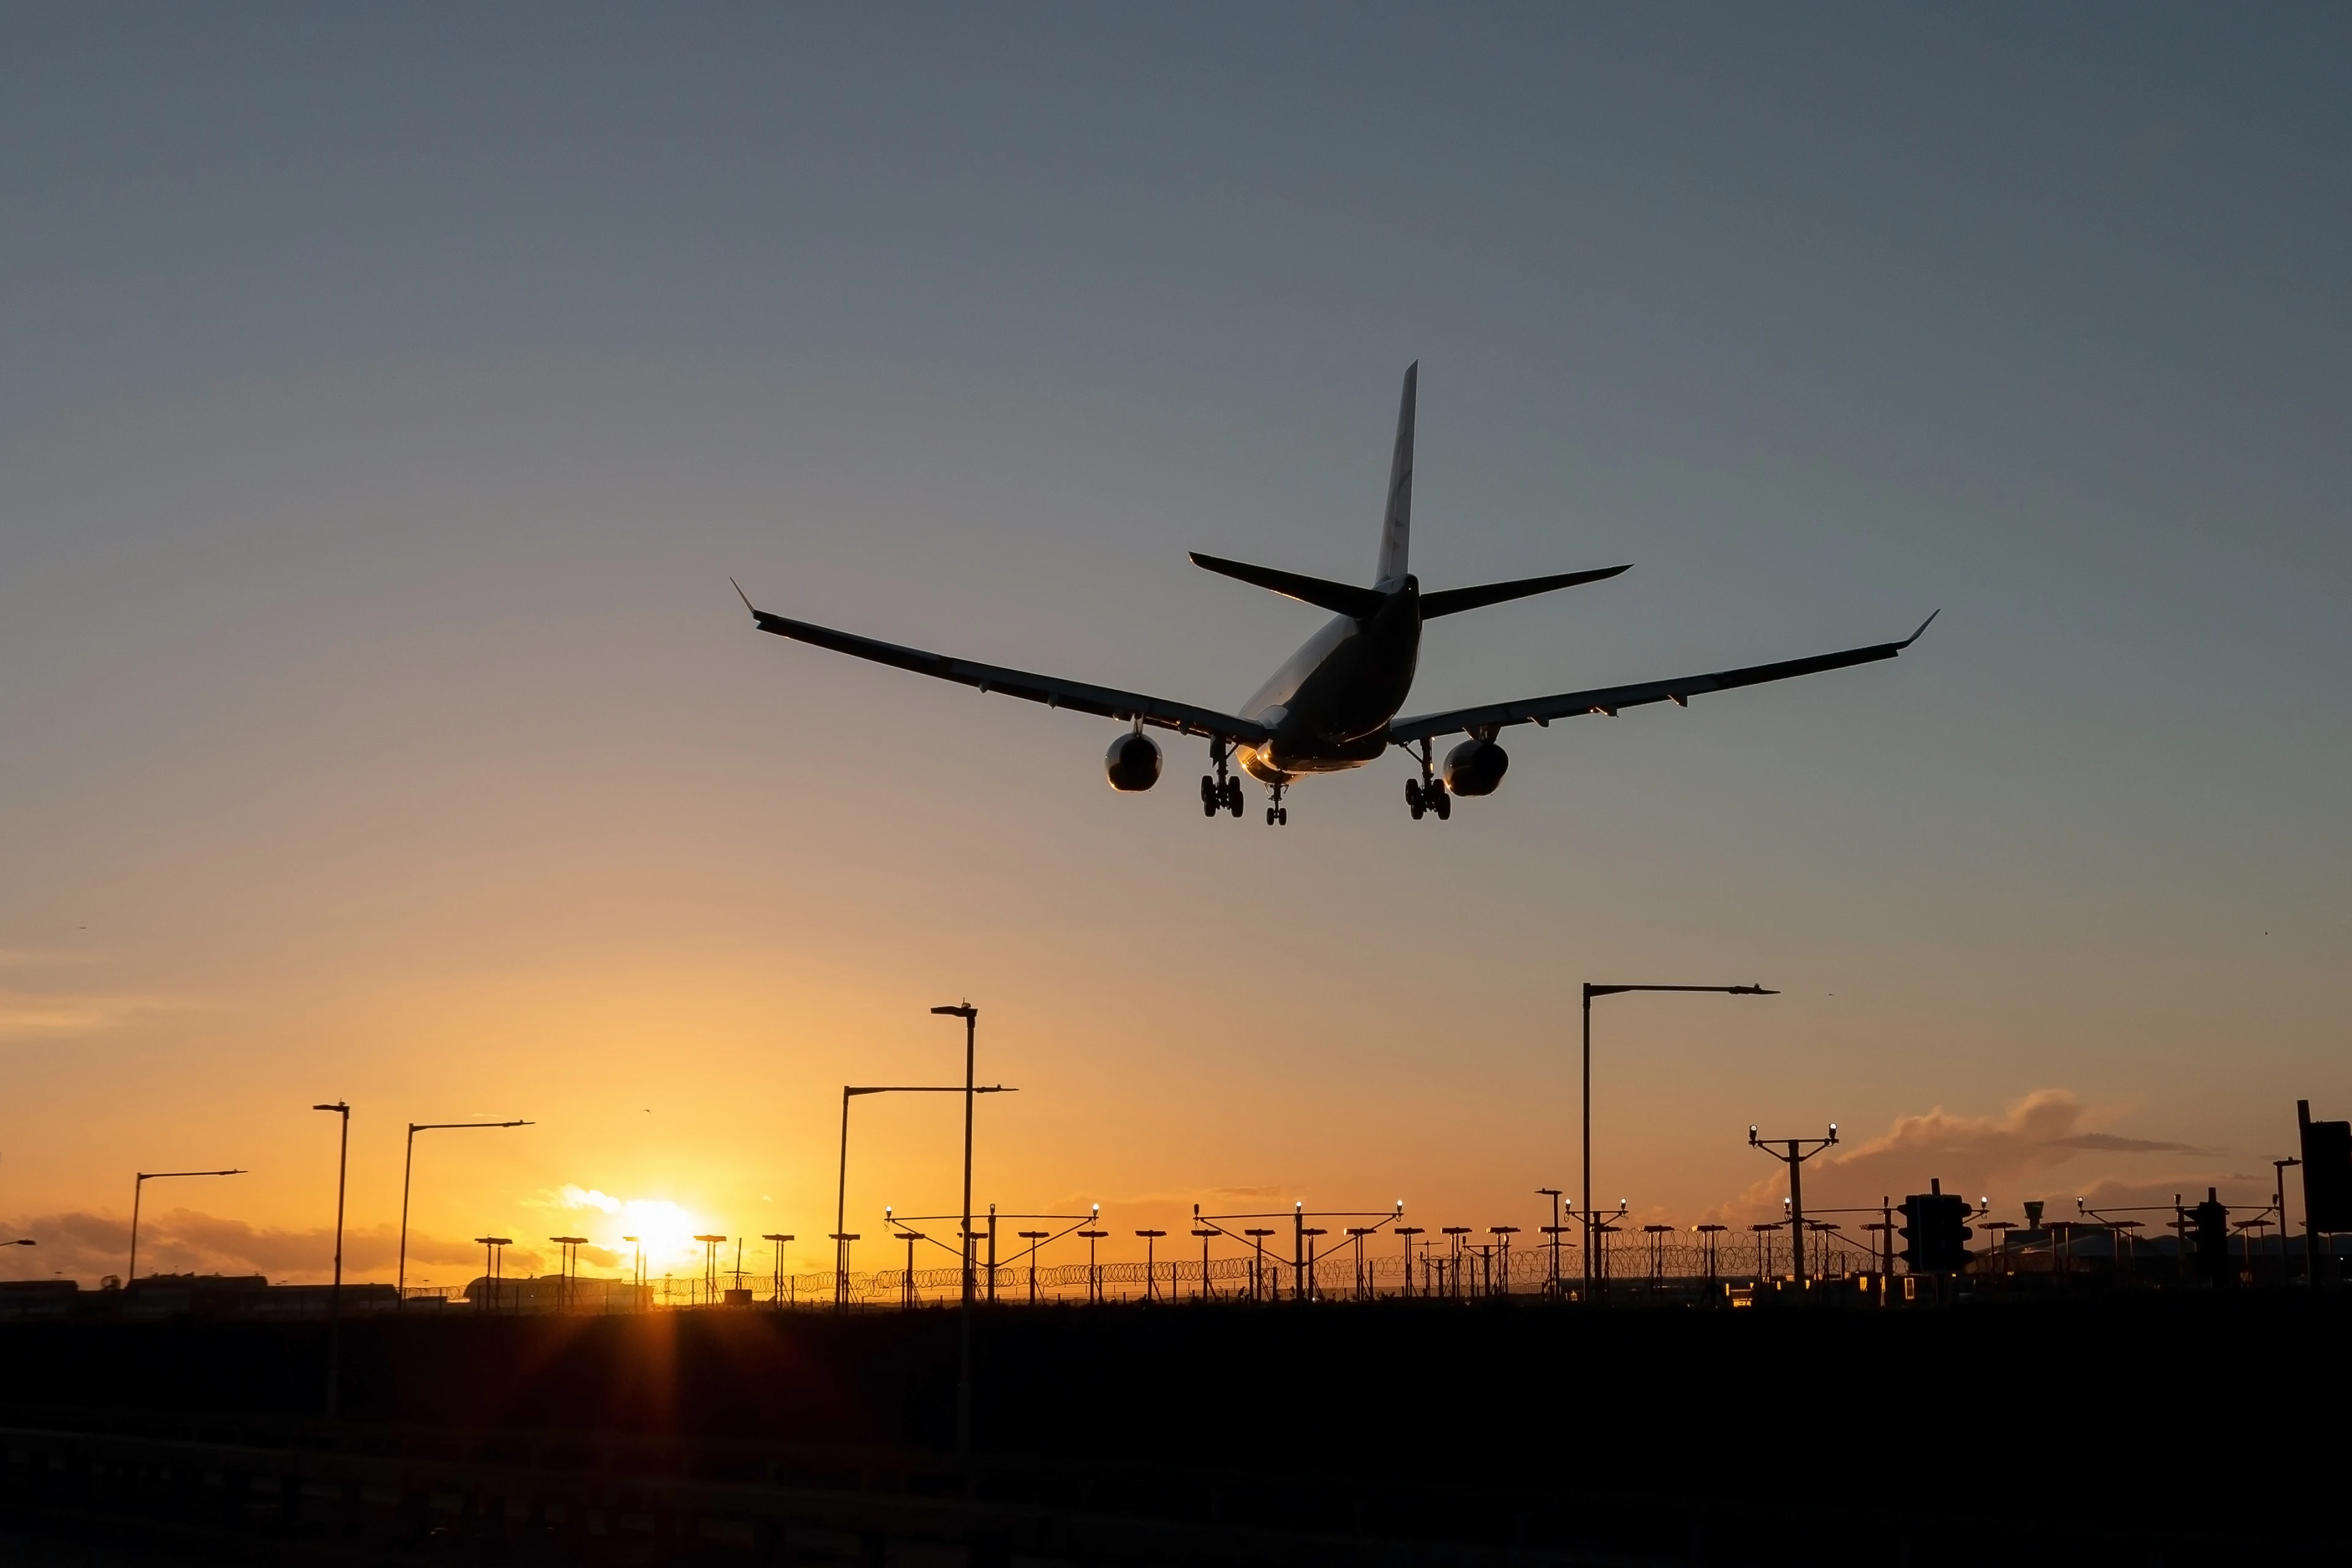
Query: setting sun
[{"x": 663, "y": 1229}]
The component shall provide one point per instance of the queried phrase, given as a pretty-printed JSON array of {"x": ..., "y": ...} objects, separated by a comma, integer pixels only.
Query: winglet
[
  {"x": 755, "y": 614},
  {"x": 1930, "y": 621}
]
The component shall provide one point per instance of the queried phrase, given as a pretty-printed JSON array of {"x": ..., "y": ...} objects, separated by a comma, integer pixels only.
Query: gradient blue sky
[{"x": 385, "y": 394}]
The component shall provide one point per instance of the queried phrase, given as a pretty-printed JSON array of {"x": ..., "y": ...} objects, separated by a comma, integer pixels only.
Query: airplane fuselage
[{"x": 1330, "y": 705}]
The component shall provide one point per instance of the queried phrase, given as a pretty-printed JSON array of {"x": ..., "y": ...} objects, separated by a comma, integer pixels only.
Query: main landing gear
[
  {"x": 1428, "y": 793},
  {"x": 1222, "y": 793}
]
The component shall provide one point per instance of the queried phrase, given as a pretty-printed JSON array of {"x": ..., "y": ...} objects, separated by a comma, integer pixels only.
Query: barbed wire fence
[{"x": 1628, "y": 1263}]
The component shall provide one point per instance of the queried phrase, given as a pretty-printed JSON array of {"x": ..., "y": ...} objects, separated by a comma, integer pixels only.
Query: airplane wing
[
  {"x": 1053, "y": 692},
  {"x": 1610, "y": 699}
]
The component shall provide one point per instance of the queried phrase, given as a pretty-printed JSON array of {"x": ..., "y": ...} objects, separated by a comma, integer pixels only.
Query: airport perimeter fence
[{"x": 1629, "y": 1263}]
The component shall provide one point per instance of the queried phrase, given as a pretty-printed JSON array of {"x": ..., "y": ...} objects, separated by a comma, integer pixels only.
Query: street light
[
  {"x": 335, "y": 1292},
  {"x": 493, "y": 1250},
  {"x": 1151, "y": 1273},
  {"x": 138, "y": 1190},
  {"x": 407, "y": 1165},
  {"x": 637, "y": 1277},
  {"x": 841, "y": 1237},
  {"x": 709, "y": 1268},
  {"x": 2278, "y": 1169},
  {"x": 1590, "y": 991},
  {"x": 776, "y": 1287},
  {"x": 1093, "y": 1270},
  {"x": 567, "y": 1267},
  {"x": 970, "y": 1016}
]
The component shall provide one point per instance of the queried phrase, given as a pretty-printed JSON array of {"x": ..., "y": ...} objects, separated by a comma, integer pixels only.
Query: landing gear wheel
[
  {"x": 1441, "y": 801},
  {"x": 1269, "y": 816},
  {"x": 1412, "y": 798},
  {"x": 1211, "y": 796},
  {"x": 1229, "y": 798},
  {"x": 1282, "y": 815}
]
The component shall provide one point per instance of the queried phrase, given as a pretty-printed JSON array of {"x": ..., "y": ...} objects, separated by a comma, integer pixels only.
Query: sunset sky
[{"x": 386, "y": 395}]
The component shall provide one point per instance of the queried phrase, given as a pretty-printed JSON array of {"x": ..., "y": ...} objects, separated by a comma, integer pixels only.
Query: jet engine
[
  {"x": 1475, "y": 767},
  {"x": 1132, "y": 763}
]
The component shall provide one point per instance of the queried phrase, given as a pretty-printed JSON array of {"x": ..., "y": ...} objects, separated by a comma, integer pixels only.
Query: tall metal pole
[
  {"x": 1591, "y": 1219},
  {"x": 1589, "y": 1233},
  {"x": 335, "y": 1292},
  {"x": 2311, "y": 1269},
  {"x": 2279, "y": 1168},
  {"x": 409, "y": 1165},
  {"x": 963, "y": 1360},
  {"x": 841, "y": 1212},
  {"x": 1796, "y": 1208},
  {"x": 138, "y": 1191},
  {"x": 970, "y": 1016}
]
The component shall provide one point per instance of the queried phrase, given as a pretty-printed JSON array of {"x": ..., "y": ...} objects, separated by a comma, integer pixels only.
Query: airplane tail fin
[{"x": 1396, "y": 526}]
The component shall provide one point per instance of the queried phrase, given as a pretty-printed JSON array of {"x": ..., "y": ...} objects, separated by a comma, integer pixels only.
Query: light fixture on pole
[
  {"x": 567, "y": 1267},
  {"x": 407, "y": 1166},
  {"x": 138, "y": 1191},
  {"x": 1408, "y": 1232},
  {"x": 1798, "y": 1153},
  {"x": 776, "y": 1287},
  {"x": 494, "y": 1249},
  {"x": 1590, "y": 991},
  {"x": 709, "y": 1268},
  {"x": 1151, "y": 1273},
  {"x": 1093, "y": 1270}
]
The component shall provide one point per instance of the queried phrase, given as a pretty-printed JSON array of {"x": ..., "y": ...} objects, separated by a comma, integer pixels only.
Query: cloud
[
  {"x": 44, "y": 1015},
  {"x": 2013, "y": 1154},
  {"x": 87, "y": 1246},
  {"x": 2108, "y": 1142}
]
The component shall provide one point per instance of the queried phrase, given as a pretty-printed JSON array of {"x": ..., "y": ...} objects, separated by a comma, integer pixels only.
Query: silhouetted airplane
[{"x": 1333, "y": 706}]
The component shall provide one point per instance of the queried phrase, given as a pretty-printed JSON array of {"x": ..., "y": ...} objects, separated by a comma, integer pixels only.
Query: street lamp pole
[
  {"x": 970, "y": 1016},
  {"x": 2278, "y": 1168},
  {"x": 407, "y": 1165},
  {"x": 138, "y": 1191},
  {"x": 842, "y": 1237},
  {"x": 335, "y": 1292},
  {"x": 1590, "y": 991}
]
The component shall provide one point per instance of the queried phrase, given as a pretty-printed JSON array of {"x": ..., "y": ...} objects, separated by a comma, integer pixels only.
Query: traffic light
[
  {"x": 2327, "y": 1172},
  {"x": 2211, "y": 1222},
  {"x": 1914, "y": 1232},
  {"x": 1935, "y": 1232}
]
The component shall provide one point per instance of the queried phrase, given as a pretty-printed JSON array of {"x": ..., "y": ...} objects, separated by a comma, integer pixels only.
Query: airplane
[{"x": 1334, "y": 706}]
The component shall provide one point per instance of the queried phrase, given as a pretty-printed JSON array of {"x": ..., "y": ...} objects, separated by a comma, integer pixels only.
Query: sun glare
[{"x": 665, "y": 1230}]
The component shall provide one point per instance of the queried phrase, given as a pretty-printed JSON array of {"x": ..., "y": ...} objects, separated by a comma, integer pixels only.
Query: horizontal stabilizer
[
  {"x": 1453, "y": 601},
  {"x": 1340, "y": 598}
]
